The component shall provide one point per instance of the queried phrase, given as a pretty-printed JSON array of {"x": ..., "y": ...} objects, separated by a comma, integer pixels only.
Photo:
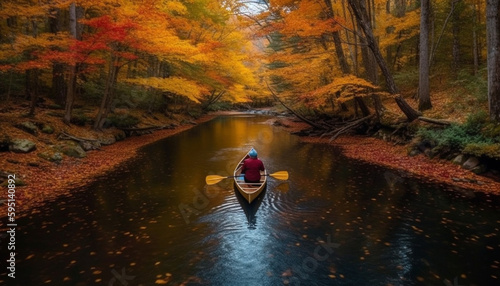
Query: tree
[
  {"x": 337, "y": 41},
  {"x": 493, "y": 37},
  {"x": 114, "y": 39},
  {"x": 361, "y": 16},
  {"x": 424, "y": 99},
  {"x": 59, "y": 88},
  {"x": 75, "y": 14}
]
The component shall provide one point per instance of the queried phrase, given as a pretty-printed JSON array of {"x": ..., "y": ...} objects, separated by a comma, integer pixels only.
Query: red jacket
[{"x": 251, "y": 168}]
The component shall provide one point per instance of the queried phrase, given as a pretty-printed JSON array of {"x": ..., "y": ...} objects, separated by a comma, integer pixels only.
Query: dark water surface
[{"x": 334, "y": 222}]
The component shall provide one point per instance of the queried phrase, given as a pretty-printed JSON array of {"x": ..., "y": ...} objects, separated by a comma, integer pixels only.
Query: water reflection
[
  {"x": 250, "y": 209},
  {"x": 335, "y": 222}
]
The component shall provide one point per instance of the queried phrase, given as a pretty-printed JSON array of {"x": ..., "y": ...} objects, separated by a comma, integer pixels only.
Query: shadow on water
[
  {"x": 336, "y": 221},
  {"x": 250, "y": 209}
]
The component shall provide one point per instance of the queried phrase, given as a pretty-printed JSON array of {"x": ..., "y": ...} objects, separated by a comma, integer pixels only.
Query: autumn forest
[
  {"x": 317, "y": 54},
  {"x": 377, "y": 121}
]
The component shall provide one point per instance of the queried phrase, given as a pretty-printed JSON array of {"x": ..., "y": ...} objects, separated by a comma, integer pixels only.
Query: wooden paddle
[{"x": 214, "y": 179}]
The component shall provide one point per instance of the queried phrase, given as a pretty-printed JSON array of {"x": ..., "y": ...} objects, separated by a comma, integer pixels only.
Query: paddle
[{"x": 214, "y": 179}]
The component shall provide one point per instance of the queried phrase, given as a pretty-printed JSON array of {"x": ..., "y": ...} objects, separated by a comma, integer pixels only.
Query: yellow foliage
[
  {"x": 238, "y": 93},
  {"x": 175, "y": 85},
  {"x": 402, "y": 28},
  {"x": 342, "y": 89},
  {"x": 174, "y": 7},
  {"x": 196, "y": 39}
]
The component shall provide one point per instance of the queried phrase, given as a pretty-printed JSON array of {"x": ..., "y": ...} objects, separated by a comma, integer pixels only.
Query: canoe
[{"x": 249, "y": 191}]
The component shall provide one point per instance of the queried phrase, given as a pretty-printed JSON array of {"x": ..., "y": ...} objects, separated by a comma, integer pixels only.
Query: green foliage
[
  {"x": 483, "y": 149},
  {"x": 123, "y": 120},
  {"x": 93, "y": 91},
  {"x": 407, "y": 78},
  {"x": 492, "y": 130},
  {"x": 79, "y": 118},
  {"x": 475, "y": 122},
  {"x": 477, "y": 136},
  {"x": 131, "y": 96},
  {"x": 277, "y": 65},
  {"x": 458, "y": 136},
  {"x": 12, "y": 82},
  {"x": 476, "y": 85},
  {"x": 220, "y": 105}
]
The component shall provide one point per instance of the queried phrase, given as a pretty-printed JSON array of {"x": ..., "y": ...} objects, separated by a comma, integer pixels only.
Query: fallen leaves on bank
[
  {"x": 386, "y": 154},
  {"x": 45, "y": 180}
]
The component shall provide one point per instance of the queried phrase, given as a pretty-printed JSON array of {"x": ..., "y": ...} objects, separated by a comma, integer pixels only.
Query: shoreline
[
  {"x": 50, "y": 181},
  {"x": 394, "y": 157}
]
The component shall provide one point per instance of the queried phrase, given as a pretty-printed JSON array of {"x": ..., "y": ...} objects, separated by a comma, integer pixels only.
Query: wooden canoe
[{"x": 249, "y": 191}]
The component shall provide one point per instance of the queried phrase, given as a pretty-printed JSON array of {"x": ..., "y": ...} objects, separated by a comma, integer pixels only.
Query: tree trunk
[
  {"x": 59, "y": 88},
  {"x": 340, "y": 54},
  {"x": 70, "y": 95},
  {"x": 400, "y": 9},
  {"x": 108, "y": 96},
  {"x": 32, "y": 89},
  {"x": 475, "y": 46},
  {"x": 337, "y": 42},
  {"x": 493, "y": 37},
  {"x": 360, "y": 15},
  {"x": 75, "y": 13},
  {"x": 362, "y": 105},
  {"x": 366, "y": 54},
  {"x": 371, "y": 73},
  {"x": 352, "y": 48},
  {"x": 32, "y": 77},
  {"x": 435, "y": 46},
  {"x": 424, "y": 99},
  {"x": 455, "y": 24}
]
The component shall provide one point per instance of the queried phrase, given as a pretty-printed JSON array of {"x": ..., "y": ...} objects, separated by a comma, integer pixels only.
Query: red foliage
[{"x": 388, "y": 155}]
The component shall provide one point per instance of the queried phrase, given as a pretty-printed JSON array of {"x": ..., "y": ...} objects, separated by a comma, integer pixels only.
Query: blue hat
[{"x": 253, "y": 153}]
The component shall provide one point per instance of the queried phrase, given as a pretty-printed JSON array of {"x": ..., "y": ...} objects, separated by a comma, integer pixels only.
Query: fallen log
[
  {"x": 317, "y": 126},
  {"x": 435, "y": 121},
  {"x": 347, "y": 127}
]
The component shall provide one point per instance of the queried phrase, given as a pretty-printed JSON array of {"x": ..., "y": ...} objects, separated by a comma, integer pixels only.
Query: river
[{"x": 336, "y": 221}]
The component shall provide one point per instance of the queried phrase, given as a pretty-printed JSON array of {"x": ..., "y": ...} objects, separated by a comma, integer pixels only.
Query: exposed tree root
[
  {"x": 66, "y": 136},
  {"x": 348, "y": 127}
]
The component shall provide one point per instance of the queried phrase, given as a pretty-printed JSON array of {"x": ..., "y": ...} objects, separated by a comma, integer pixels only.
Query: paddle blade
[
  {"x": 213, "y": 179},
  {"x": 281, "y": 175}
]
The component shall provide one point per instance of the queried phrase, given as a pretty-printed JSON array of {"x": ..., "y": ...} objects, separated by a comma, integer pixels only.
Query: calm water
[{"x": 335, "y": 222}]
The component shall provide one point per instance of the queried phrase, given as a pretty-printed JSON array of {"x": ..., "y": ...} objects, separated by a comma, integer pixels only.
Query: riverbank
[
  {"x": 376, "y": 151},
  {"x": 45, "y": 181}
]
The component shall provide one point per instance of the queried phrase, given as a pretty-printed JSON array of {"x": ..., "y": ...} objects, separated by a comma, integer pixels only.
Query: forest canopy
[{"x": 319, "y": 54}]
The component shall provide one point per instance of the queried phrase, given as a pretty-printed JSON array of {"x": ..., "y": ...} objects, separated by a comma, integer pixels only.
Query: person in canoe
[{"x": 252, "y": 167}]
